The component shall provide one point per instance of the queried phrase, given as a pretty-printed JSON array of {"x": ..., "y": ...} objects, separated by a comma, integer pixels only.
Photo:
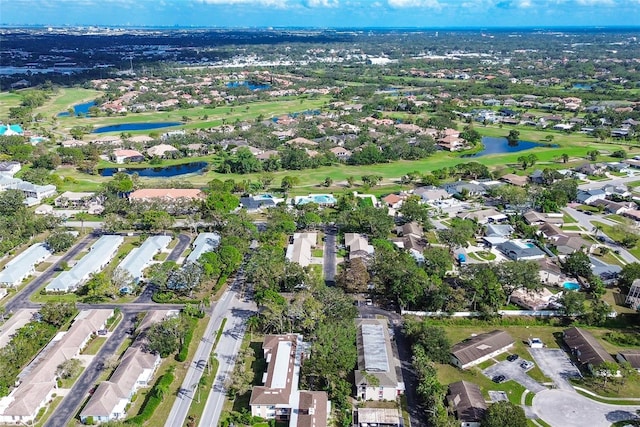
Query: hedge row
[
  {"x": 170, "y": 298},
  {"x": 154, "y": 399},
  {"x": 188, "y": 336}
]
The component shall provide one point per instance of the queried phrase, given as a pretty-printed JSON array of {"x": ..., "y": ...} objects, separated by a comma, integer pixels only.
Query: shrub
[{"x": 154, "y": 399}]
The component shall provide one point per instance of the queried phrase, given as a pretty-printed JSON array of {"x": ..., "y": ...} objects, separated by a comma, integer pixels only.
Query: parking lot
[
  {"x": 556, "y": 365},
  {"x": 513, "y": 371}
]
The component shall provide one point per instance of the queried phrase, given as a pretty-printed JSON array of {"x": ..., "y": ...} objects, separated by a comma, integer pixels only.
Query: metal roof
[
  {"x": 21, "y": 266},
  {"x": 98, "y": 257},
  {"x": 375, "y": 348},
  {"x": 139, "y": 258},
  {"x": 205, "y": 242}
]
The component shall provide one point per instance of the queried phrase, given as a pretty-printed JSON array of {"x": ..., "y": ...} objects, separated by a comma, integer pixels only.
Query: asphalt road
[
  {"x": 183, "y": 242},
  {"x": 21, "y": 300},
  {"x": 71, "y": 403},
  {"x": 236, "y": 310},
  {"x": 403, "y": 348},
  {"x": 329, "y": 262}
]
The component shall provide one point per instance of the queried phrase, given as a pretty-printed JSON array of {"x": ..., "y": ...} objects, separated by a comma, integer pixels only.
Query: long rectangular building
[
  {"x": 139, "y": 258},
  {"x": 101, "y": 253},
  {"x": 479, "y": 348},
  {"x": 24, "y": 265},
  {"x": 205, "y": 242},
  {"x": 376, "y": 360}
]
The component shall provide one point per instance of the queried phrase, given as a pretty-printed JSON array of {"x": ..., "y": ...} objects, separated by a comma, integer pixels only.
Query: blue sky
[{"x": 322, "y": 13}]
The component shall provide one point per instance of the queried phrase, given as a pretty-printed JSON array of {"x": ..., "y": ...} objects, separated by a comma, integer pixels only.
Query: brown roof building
[
  {"x": 586, "y": 348},
  {"x": 632, "y": 357},
  {"x": 480, "y": 348},
  {"x": 165, "y": 194},
  {"x": 466, "y": 400}
]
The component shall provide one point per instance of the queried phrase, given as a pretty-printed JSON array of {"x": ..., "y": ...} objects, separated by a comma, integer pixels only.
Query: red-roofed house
[{"x": 126, "y": 156}]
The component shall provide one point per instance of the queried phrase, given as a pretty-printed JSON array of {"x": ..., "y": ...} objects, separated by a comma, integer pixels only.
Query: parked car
[
  {"x": 526, "y": 365},
  {"x": 512, "y": 357},
  {"x": 498, "y": 379}
]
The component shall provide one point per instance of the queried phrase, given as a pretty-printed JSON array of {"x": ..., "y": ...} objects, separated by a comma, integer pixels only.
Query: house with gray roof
[
  {"x": 589, "y": 196},
  {"x": 459, "y": 187},
  {"x": 205, "y": 242},
  {"x": 23, "y": 265},
  {"x": 467, "y": 402},
  {"x": 479, "y": 348},
  {"x": 376, "y": 360},
  {"x": 99, "y": 256},
  {"x": 630, "y": 356},
  {"x": 520, "y": 250},
  {"x": 140, "y": 258}
]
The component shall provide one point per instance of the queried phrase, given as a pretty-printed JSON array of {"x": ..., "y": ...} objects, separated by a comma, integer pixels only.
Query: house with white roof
[
  {"x": 299, "y": 251},
  {"x": 99, "y": 256},
  {"x": 205, "y": 242},
  {"x": 140, "y": 258},
  {"x": 37, "y": 387},
  {"x": 376, "y": 360},
  {"x": 23, "y": 265}
]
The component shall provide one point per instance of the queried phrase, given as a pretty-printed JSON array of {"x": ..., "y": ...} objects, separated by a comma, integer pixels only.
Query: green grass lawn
[
  {"x": 94, "y": 345},
  {"x": 482, "y": 256}
]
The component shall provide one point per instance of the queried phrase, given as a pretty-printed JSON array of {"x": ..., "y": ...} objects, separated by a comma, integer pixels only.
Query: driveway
[
  {"x": 513, "y": 371},
  {"x": 555, "y": 364},
  {"x": 330, "y": 255},
  {"x": 570, "y": 409}
]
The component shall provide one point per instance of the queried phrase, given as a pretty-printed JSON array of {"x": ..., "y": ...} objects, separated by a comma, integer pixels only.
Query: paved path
[
  {"x": 617, "y": 181},
  {"x": 330, "y": 255},
  {"x": 183, "y": 242},
  {"x": 236, "y": 311},
  {"x": 79, "y": 392},
  {"x": 570, "y": 409}
]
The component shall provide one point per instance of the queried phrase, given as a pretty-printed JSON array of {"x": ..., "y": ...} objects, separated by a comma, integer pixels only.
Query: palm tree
[
  {"x": 253, "y": 323},
  {"x": 565, "y": 157},
  {"x": 82, "y": 217},
  {"x": 597, "y": 229}
]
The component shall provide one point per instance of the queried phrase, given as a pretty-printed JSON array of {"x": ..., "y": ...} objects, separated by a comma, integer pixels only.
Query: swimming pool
[{"x": 571, "y": 286}]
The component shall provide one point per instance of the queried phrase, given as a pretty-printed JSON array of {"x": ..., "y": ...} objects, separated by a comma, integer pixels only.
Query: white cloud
[
  {"x": 431, "y": 4},
  {"x": 524, "y": 4},
  {"x": 595, "y": 2},
  {"x": 322, "y": 3},
  {"x": 282, "y": 4}
]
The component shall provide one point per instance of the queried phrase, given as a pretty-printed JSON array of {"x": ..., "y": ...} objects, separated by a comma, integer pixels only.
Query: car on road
[
  {"x": 498, "y": 379},
  {"x": 512, "y": 357},
  {"x": 526, "y": 365}
]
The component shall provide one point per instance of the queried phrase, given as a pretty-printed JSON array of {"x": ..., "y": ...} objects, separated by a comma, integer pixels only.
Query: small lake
[
  {"x": 79, "y": 109},
  {"x": 501, "y": 145},
  {"x": 158, "y": 172},
  {"x": 124, "y": 127},
  {"x": 249, "y": 85}
]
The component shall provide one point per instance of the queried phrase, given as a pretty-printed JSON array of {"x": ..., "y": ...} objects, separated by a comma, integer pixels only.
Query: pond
[
  {"x": 249, "y": 85},
  {"x": 582, "y": 86},
  {"x": 501, "y": 145},
  {"x": 158, "y": 172},
  {"x": 135, "y": 126},
  {"x": 79, "y": 109}
]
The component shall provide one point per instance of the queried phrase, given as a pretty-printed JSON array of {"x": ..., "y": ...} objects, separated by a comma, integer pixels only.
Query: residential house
[
  {"x": 9, "y": 168},
  {"x": 479, "y": 348},
  {"x": 279, "y": 397},
  {"x": 633, "y": 297},
  {"x": 394, "y": 201},
  {"x": 376, "y": 360},
  {"x": 586, "y": 348},
  {"x": 75, "y": 200},
  {"x": 535, "y": 299},
  {"x": 587, "y": 197},
  {"x": 161, "y": 150},
  {"x": 301, "y": 142},
  {"x": 550, "y": 272},
  {"x": 518, "y": 250},
  {"x": 591, "y": 169},
  {"x": 127, "y": 156},
  {"x": 205, "y": 242},
  {"x": 612, "y": 207},
  {"x": 358, "y": 245},
  {"x": 299, "y": 251},
  {"x": 140, "y": 258},
  {"x": 341, "y": 153},
  {"x": 99, "y": 256},
  {"x": 110, "y": 400},
  {"x": 537, "y": 177},
  {"x": 538, "y": 218},
  {"x": 513, "y": 179},
  {"x": 431, "y": 194},
  {"x": 467, "y": 402},
  {"x": 23, "y": 265},
  {"x": 471, "y": 188},
  {"x": 33, "y": 193},
  {"x": 37, "y": 387},
  {"x": 256, "y": 202},
  {"x": 484, "y": 216},
  {"x": 630, "y": 356}
]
